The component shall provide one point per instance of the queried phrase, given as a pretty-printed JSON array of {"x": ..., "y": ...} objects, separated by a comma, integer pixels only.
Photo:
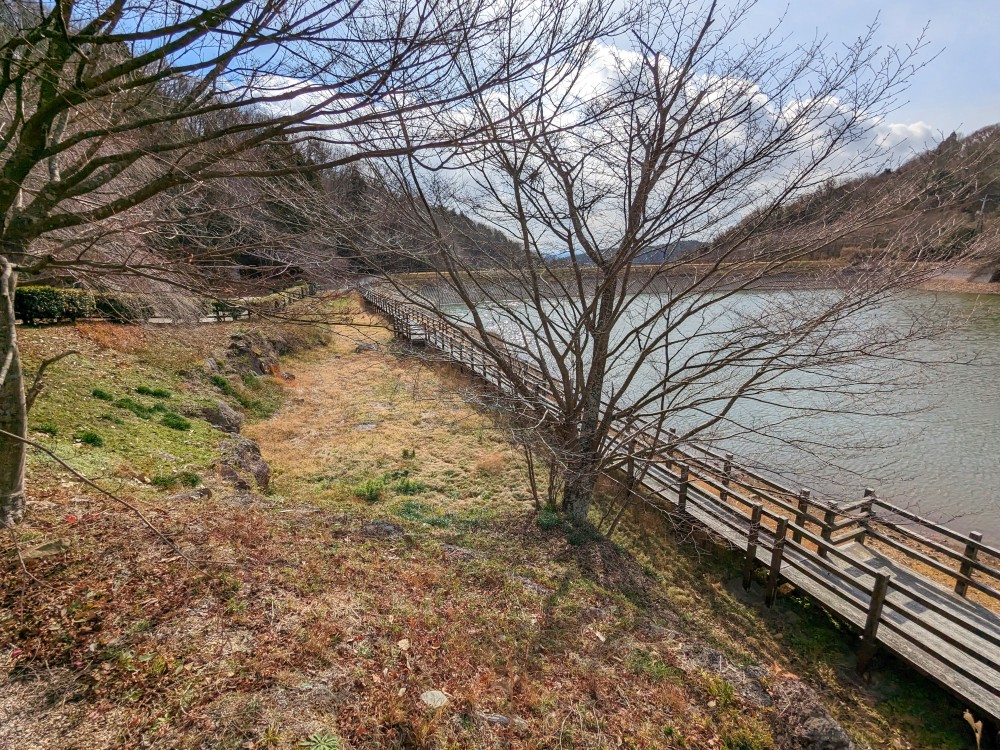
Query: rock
[
  {"x": 382, "y": 530},
  {"x": 494, "y": 719},
  {"x": 452, "y": 552},
  {"x": 241, "y": 461},
  {"x": 250, "y": 353},
  {"x": 220, "y": 415},
  {"x": 202, "y": 493},
  {"x": 802, "y": 722},
  {"x": 211, "y": 366},
  {"x": 366, "y": 426},
  {"x": 434, "y": 698},
  {"x": 535, "y": 588}
]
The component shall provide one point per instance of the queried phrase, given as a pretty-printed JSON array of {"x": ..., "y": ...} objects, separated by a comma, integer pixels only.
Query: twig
[
  {"x": 90, "y": 483},
  {"x": 24, "y": 565},
  {"x": 38, "y": 384}
]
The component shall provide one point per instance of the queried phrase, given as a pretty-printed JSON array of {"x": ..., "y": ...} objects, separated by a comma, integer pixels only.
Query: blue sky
[{"x": 959, "y": 90}]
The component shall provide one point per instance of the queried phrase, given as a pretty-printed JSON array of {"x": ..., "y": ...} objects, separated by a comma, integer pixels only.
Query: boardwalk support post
[
  {"x": 965, "y": 569},
  {"x": 682, "y": 487},
  {"x": 752, "y": 535},
  {"x": 868, "y": 642},
  {"x": 777, "y": 551},
  {"x": 800, "y": 517}
]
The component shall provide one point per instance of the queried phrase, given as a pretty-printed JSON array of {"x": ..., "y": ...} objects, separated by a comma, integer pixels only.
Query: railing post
[
  {"x": 865, "y": 511},
  {"x": 800, "y": 517},
  {"x": 672, "y": 433},
  {"x": 682, "y": 487},
  {"x": 829, "y": 518},
  {"x": 777, "y": 552},
  {"x": 727, "y": 473},
  {"x": 868, "y": 642},
  {"x": 965, "y": 570},
  {"x": 751, "y": 558}
]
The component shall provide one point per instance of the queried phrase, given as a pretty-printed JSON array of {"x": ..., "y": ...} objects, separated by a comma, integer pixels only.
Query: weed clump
[
  {"x": 113, "y": 418},
  {"x": 175, "y": 421},
  {"x": 102, "y": 395},
  {"x": 548, "y": 519},
  {"x": 88, "y": 437},
  {"x": 370, "y": 490},
  {"x": 407, "y": 486}
]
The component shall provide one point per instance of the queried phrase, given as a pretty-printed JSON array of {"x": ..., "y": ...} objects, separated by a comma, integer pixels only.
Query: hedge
[
  {"x": 33, "y": 304},
  {"x": 36, "y": 303}
]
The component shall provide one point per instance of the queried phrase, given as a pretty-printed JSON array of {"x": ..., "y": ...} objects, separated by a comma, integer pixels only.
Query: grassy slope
[{"x": 308, "y": 625}]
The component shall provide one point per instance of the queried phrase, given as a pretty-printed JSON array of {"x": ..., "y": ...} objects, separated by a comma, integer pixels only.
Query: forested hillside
[{"x": 947, "y": 201}]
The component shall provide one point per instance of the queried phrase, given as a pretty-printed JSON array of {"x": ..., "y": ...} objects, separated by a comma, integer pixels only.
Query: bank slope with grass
[{"x": 388, "y": 584}]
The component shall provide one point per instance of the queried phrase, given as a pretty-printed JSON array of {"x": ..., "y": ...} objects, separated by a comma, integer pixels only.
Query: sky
[{"x": 959, "y": 90}]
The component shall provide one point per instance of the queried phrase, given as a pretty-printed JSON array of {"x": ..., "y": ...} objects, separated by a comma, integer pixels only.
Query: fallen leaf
[
  {"x": 46, "y": 550},
  {"x": 404, "y": 644},
  {"x": 600, "y": 636}
]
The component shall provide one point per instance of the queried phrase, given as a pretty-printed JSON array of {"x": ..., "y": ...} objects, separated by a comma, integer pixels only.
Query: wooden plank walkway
[{"x": 817, "y": 547}]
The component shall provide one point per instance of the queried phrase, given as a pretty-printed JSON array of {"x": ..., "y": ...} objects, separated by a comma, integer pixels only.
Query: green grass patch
[
  {"x": 113, "y": 418},
  {"x": 175, "y": 421},
  {"x": 260, "y": 397},
  {"x": 46, "y": 428},
  {"x": 418, "y": 512},
  {"x": 177, "y": 479},
  {"x": 145, "y": 390},
  {"x": 102, "y": 395},
  {"x": 649, "y": 664}
]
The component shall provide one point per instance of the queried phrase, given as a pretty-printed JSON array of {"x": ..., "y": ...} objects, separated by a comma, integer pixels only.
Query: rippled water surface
[{"x": 943, "y": 457}]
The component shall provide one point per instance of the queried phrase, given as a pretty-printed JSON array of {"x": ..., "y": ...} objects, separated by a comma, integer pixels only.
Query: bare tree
[
  {"x": 647, "y": 188},
  {"x": 114, "y": 113}
]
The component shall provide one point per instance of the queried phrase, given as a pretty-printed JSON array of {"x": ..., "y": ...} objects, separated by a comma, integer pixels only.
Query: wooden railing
[{"x": 831, "y": 551}]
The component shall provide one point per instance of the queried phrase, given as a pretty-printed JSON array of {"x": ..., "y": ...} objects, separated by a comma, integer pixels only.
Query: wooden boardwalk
[{"x": 915, "y": 603}]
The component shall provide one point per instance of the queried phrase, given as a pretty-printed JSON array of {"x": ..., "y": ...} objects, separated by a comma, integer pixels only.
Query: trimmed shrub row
[{"x": 34, "y": 304}]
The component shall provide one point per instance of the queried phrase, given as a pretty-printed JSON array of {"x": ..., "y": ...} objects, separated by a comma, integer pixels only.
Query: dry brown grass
[{"x": 492, "y": 463}]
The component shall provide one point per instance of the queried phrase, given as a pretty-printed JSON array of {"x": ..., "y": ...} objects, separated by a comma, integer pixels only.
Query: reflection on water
[{"x": 942, "y": 458}]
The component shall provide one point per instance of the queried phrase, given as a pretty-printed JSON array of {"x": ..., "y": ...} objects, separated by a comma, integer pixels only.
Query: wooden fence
[{"x": 897, "y": 577}]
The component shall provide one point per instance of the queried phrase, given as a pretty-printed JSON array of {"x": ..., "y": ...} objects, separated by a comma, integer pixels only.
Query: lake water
[{"x": 939, "y": 455}]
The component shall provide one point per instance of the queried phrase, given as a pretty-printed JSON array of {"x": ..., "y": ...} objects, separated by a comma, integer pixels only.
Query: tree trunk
[
  {"x": 578, "y": 489},
  {"x": 13, "y": 409},
  {"x": 582, "y": 468}
]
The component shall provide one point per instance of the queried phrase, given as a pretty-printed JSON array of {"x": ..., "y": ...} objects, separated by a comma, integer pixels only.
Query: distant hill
[
  {"x": 954, "y": 200},
  {"x": 654, "y": 256}
]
